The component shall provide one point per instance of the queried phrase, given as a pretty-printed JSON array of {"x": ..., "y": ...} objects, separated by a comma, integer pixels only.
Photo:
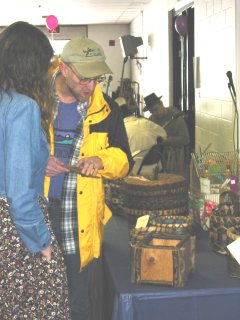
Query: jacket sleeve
[
  {"x": 178, "y": 134},
  {"x": 21, "y": 148},
  {"x": 117, "y": 158}
]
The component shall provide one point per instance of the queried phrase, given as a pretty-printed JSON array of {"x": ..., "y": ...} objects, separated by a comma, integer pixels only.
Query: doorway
[{"x": 181, "y": 84}]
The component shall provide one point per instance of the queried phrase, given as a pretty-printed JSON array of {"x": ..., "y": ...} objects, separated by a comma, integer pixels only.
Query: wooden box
[{"x": 164, "y": 259}]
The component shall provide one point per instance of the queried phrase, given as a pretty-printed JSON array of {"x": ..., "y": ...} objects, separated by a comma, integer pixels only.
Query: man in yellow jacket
[{"x": 88, "y": 143}]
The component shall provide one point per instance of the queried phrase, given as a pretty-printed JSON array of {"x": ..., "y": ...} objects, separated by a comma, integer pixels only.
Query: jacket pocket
[
  {"x": 104, "y": 213},
  {"x": 97, "y": 141}
]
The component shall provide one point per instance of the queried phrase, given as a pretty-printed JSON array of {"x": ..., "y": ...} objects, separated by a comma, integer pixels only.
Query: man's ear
[{"x": 63, "y": 68}]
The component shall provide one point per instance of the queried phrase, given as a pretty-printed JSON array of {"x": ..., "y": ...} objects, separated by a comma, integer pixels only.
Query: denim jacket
[{"x": 24, "y": 153}]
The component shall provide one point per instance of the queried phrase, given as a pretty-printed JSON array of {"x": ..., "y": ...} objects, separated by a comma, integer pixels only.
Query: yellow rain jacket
[{"x": 105, "y": 137}]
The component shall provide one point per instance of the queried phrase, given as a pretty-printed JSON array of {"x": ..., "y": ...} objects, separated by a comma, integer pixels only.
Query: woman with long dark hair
[{"x": 33, "y": 282}]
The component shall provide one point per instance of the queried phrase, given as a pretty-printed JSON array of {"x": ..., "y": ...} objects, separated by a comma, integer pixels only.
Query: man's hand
[
  {"x": 90, "y": 166},
  {"x": 55, "y": 167}
]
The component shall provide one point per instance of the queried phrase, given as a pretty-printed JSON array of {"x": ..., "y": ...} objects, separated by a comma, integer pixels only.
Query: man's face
[
  {"x": 80, "y": 87},
  {"x": 157, "y": 109}
]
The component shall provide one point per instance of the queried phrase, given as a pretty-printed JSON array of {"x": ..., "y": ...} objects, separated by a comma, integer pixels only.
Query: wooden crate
[{"x": 164, "y": 259}]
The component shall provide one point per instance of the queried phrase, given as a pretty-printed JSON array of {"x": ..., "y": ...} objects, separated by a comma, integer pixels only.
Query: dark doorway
[{"x": 181, "y": 50}]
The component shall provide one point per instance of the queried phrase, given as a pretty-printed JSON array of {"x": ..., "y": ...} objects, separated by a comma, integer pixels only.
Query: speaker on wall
[{"x": 129, "y": 45}]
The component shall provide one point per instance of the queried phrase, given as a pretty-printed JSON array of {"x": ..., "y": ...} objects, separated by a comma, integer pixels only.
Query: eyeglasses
[{"x": 83, "y": 80}]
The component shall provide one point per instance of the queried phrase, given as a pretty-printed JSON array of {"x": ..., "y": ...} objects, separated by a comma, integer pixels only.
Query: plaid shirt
[{"x": 69, "y": 219}]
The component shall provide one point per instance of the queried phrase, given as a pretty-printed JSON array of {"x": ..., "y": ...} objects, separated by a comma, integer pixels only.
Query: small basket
[
  {"x": 163, "y": 259},
  {"x": 174, "y": 225},
  {"x": 223, "y": 217},
  {"x": 233, "y": 266},
  {"x": 210, "y": 175}
]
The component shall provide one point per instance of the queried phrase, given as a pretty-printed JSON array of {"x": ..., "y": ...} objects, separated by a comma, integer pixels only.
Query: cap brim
[{"x": 92, "y": 69}]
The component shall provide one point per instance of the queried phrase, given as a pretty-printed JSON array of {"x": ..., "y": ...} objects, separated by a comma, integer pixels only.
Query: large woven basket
[
  {"x": 233, "y": 234},
  {"x": 166, "y": 196},
  {"x": 223, "y": 217},
  {"x": 114, "y": 197}
]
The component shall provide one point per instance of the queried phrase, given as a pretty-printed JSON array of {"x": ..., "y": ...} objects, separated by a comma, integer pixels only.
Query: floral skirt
[{"x": 30, "y": 287}]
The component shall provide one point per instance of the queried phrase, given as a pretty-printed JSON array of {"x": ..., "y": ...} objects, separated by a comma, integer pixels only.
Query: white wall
[
  {"x": 102, "y": 34},
  {"x": 215, "y": 31},
  {"x": 215, "y": 45}
]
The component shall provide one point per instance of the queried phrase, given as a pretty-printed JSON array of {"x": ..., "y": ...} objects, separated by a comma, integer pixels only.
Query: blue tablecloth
[{"x": 210, "y": 293}]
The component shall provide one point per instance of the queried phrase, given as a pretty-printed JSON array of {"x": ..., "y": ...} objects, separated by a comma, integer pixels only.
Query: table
[{"x": 210, "y": 293}]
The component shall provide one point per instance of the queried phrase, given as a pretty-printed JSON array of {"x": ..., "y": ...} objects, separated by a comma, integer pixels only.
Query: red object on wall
[{"x": 52, "y": 23}]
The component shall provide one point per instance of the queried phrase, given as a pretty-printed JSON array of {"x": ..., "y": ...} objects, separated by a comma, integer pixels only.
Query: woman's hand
[{"x": 47, "y": 253}]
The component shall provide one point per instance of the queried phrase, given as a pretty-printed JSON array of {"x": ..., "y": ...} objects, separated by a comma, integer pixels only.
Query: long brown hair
[{"x": 25, "y": 55}]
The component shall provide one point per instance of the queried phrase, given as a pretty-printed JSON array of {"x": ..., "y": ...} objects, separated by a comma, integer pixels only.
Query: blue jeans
[
  {"x": 79, "y": 286},
  {"x": 78, "y": 282}
]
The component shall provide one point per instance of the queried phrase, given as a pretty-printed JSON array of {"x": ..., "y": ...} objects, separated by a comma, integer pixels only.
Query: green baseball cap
[{"x": 86, "y": 56}]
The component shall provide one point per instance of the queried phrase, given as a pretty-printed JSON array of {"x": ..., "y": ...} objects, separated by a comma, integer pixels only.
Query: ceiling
[{"x": 72, "y": 12}]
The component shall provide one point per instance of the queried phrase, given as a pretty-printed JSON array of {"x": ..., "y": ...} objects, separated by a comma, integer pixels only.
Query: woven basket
[
  {"x": 174, "y": 225},
  {"x": 163, "y": 259},
  {"x": 233, "y": 266},
  {"x": 223, "y": 217},
  {"x": 166, "y": 196},
  {"x": 114, "y": 197}
]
